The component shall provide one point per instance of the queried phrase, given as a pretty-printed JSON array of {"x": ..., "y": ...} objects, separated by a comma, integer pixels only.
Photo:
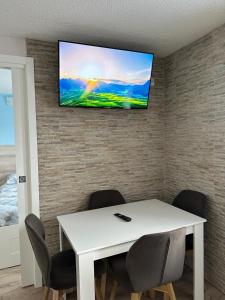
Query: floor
[{"x": 10, "y": 288}]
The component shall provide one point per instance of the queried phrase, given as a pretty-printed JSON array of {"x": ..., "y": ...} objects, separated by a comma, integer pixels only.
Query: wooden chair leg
[
  {"x": 98, "y": 293},
  {"x": 56, "y": 295},
  {"x": 166, "y": 296},
  {"x": 135, "y": 296},
  {"x": 163, "y": 289},
  {"x": 103, "y": 285},
  {"x": 114, "y": 290},
  {"x": 46, "y": 293},
  {"x": 152, "y": 294},
  {"x": 63, "y": 295},
  {"x": 170, "y": 290}
]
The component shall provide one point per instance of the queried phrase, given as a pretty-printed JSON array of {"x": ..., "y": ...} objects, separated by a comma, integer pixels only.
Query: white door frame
[{"x": 24, "y": 91}]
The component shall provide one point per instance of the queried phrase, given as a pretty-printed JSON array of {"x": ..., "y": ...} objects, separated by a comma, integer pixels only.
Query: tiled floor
[{"x": 10, "y": 288}]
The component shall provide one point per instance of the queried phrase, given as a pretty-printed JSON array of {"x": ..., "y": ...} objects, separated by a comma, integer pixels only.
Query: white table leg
[
  {"x": 61, "y": 248},
  {"x": 60, "y": 238},
  {"x": 198, "y": 262},
  {"x": 85, "y": 277}
]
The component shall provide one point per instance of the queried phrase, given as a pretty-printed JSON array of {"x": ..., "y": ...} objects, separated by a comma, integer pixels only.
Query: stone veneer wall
[
  {"x": 84, "y": 150},
  {"x": 195, "y": 137}
]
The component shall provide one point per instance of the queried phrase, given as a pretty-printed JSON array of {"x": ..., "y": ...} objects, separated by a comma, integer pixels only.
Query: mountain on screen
[{"x": 115, "y": 87}]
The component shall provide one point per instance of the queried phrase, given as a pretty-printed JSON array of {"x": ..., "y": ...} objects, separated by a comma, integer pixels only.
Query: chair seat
[{"x": 63, "y": 274}]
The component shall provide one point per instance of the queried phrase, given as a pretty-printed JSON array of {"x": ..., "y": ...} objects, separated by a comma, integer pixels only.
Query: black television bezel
[{"x": 103, "y": 107}]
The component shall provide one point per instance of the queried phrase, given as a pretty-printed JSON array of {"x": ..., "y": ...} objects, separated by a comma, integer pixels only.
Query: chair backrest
[
  {"x": 175, "y": 258},
  {"x": 191, "y": 201},
  {"x": 150, "y": 261},
  {"x": 105, "y": 198},
  {"x": 36, "y": 233}
]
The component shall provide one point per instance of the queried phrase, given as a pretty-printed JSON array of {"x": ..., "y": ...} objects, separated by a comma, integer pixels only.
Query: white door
[
  {"x": 9, "y": 216},
  {"x": 18, "y": 89}
]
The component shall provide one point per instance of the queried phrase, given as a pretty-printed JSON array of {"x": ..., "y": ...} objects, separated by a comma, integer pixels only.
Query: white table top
[{"x": 96, "y": 229}]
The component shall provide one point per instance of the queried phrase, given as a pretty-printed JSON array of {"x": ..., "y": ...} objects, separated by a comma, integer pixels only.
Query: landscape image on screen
[{"x": 91, "y": 76}]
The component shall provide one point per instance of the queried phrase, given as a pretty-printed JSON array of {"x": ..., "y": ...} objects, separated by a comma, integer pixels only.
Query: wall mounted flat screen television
[{"x": 91, "y": 76}]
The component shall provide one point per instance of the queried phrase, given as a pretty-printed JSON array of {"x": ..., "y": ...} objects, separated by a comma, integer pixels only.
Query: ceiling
[{"x": 161, "y": 26}]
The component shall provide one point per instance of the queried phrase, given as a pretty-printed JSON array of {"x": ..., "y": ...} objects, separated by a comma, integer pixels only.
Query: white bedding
[{"x": 8, "y": 202}]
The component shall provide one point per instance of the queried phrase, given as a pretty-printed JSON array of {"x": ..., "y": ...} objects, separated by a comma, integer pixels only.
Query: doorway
[
  {"x": 9, "y": 216},
  {"x": 9, "y": 228},
  {"x": 18, "y": 164}
]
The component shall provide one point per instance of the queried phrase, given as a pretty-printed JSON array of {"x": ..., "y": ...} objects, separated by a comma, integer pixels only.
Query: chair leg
[
  {"x": 64, "y": 295},
  {"x": 166, "y": 296},
  {"x": 46, "y": 293},
  {"x": 103, "y": 285},
  {"x": 98, "y": 293},
  {"x": 135, "y": 296},
  {"x": 170, "y": 290},
  {"x": 163, "y": 289},
  {"x": 114, "y": 290},
  {"x": 151, "y": 294},
  {"x": 56, "y": 295}
]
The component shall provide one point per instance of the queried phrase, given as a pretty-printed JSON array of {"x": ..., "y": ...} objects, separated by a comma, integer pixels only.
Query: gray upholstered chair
[
  {"x": 152, "y": 264},
  {"x": 58, "y": 271},
  {"x": 193, "y": 202},
  {"x": 100, "y": 199},
  {"x": 105, "y": 198}
]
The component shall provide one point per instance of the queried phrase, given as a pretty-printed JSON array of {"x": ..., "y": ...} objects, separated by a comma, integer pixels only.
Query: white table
[{"x": 98, "y": 233}]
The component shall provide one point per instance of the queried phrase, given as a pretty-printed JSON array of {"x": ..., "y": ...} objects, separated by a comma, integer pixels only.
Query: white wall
[{"x": 13, "y": 46}]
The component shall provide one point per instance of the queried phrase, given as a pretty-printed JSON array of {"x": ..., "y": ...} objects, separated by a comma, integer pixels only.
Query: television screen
[{"x": 91, "y": 76}]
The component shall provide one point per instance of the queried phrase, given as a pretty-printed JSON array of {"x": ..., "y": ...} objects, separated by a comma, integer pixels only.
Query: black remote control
[{"x": 124, "y": 218}]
